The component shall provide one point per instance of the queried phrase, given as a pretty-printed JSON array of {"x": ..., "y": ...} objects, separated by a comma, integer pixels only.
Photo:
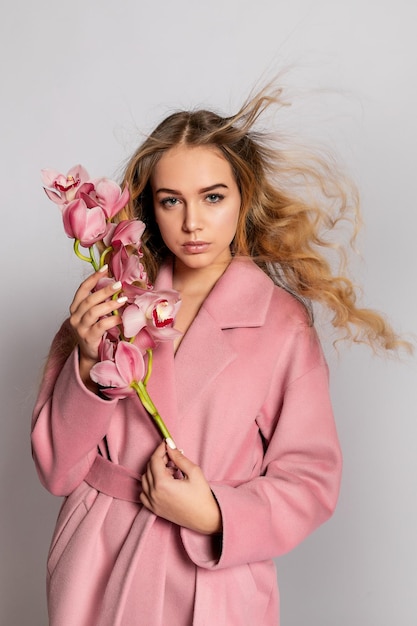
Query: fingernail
[
  {"x": 117, "y": 285},
  {"x": 170, "y": 443},
  {"x": 122, "y": 299},
  {"x": 104, "y": 268}
]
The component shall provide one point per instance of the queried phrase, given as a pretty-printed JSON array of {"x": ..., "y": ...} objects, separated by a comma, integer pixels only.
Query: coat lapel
[
  {"x": 203, "y": 354},
  {"x": 240, "y": 299}
]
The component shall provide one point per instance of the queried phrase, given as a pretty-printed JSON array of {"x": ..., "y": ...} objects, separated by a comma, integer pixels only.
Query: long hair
[{"x": 292, "y": 200}]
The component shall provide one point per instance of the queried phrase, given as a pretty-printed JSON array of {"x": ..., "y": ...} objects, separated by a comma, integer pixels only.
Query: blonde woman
[{"x": 240, "y": 227}]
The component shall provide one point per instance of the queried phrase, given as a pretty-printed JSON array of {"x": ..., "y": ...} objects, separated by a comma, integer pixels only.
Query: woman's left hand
[{"x": 189, "y": 501}]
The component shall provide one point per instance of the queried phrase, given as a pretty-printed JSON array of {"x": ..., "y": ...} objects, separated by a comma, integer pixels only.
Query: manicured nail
[
  {"x": 104, "y": 268},
  {"x": 170, "y": 443},
  {"x": 117, "y": 285},
  {"x": 122, "y": 299}
]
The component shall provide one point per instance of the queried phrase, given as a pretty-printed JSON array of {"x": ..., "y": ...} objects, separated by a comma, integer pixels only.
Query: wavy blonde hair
[{"x": 292, "y": 200}]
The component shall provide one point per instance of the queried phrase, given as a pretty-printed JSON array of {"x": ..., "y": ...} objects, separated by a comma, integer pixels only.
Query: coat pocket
[{"x": 74, "y": 509}]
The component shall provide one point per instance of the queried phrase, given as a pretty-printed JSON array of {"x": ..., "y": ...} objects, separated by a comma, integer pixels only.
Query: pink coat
[{"x": 246, "y": 397}]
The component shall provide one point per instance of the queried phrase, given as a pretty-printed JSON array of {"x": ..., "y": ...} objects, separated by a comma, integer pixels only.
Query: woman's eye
[
  {"x": 169, "y": 202},
  {"x": 214, "y": 197}
]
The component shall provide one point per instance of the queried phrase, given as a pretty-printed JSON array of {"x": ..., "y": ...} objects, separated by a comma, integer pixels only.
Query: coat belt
[{"x": 114, "y": 480}]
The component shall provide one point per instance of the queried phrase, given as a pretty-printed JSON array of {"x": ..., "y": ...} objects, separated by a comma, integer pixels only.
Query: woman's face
[{"x": 197, "y": 203}]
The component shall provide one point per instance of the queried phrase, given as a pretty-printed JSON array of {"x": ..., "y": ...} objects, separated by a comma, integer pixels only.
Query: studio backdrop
[{"x": 84, "y": 82}]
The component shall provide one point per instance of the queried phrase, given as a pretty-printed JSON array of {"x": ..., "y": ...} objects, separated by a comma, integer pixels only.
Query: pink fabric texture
[{"x": 246, "y": 396}]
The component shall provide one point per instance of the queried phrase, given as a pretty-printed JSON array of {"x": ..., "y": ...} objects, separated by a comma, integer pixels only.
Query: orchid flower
[
  {"x": 125, "y": 376},
  {"x": 104, "y": 193},
  {"x": 87, "y": 225},
  {"x": 118, "y": 376},
  {"x": 144, "y": 341},
  {"x": 127, "y": 267},
  {"x": 125, "y": 233},
  {"x": 61, "y": 188},
  {"x": 109, "y": 343},
  {"x": 155, "y": 311}
]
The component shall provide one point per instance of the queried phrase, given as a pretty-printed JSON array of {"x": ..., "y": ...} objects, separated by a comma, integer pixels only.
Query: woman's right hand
[{"x": 90, "y": 318}]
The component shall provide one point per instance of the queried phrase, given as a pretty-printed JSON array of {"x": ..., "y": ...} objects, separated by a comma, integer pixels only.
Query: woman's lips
[{"x": 195, "y": 247}]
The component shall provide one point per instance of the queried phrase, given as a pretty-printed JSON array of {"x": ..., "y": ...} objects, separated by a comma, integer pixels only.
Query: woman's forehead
[{"x": 185, "y": 165}]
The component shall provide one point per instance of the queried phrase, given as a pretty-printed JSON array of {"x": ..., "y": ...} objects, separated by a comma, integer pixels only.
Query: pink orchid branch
[{"x": 88, "y": 210}]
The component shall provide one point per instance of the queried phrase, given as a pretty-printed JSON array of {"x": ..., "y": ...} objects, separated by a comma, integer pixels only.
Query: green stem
[
  {"x": 114, "y": 297},
  {"x": 79, "y": 254},
  {"x": 150, "y": 362},
  {"x": 93, "y": 260},
  {"x": 146, "y": 400},
  {"x": 120, "y": 326},
  {"x": 104, "y": 254}
]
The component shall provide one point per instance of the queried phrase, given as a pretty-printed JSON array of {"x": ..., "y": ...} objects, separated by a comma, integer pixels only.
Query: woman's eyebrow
[
  {"x": 216, "y": 186},
  {"x": 204, "y": 190},
  {"x": 166, "y": 190}
]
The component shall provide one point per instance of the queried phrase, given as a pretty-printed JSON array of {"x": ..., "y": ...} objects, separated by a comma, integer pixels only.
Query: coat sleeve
[
  {"x": 298, "y": 487},
  {"x": 68, "y": 421}
]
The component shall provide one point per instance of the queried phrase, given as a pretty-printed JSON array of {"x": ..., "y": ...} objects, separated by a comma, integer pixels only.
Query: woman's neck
[
  {"x": 193, "y": 285},
  {"x": 196, "y": 282}
]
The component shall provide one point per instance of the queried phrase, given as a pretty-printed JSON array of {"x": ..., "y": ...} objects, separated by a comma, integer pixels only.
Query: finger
[
  {"x": 90, "y": 330},
  {"x": 93, "y": 316},
  {"x": 149, "y": 480},
  {"x": 145, "y": 484},
  {"x": 159, "y": 452},
  {"x": 172, "y": 469},
  {"x": 88, "y": 315},
  {"x": 84, "y": 301},
  {"x": 181, "y": 461},
  {"x": 145, "y": 500},
  {"x": 87, "y": 286},
  {"x": 160, "y": 466}
]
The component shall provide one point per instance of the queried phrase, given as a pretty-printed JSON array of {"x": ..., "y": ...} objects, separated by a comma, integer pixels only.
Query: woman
[{"x": 244, "y": 389}]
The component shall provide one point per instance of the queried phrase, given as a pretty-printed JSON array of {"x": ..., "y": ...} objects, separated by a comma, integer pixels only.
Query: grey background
[{"x": 80, "y": 81}]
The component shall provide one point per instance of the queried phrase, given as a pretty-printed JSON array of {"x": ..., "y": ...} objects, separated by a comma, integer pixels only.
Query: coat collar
[{"x": 240, "y": 299}]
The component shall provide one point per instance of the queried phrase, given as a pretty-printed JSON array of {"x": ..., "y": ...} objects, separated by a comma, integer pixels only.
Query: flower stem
[
  {"x": 79, "y": 254},
  {"x": 150, "y": 361},
  {"x": 104, "y": 254},
  {"x": 93, "y": 260},
  {"x": 120, "y": 326},
  {"x": 114, "y": 297},
  {"x": 146, "y": 400}
]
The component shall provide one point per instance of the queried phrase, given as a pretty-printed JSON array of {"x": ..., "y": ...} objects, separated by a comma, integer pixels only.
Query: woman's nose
[{"x": 192, "y": 218}]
